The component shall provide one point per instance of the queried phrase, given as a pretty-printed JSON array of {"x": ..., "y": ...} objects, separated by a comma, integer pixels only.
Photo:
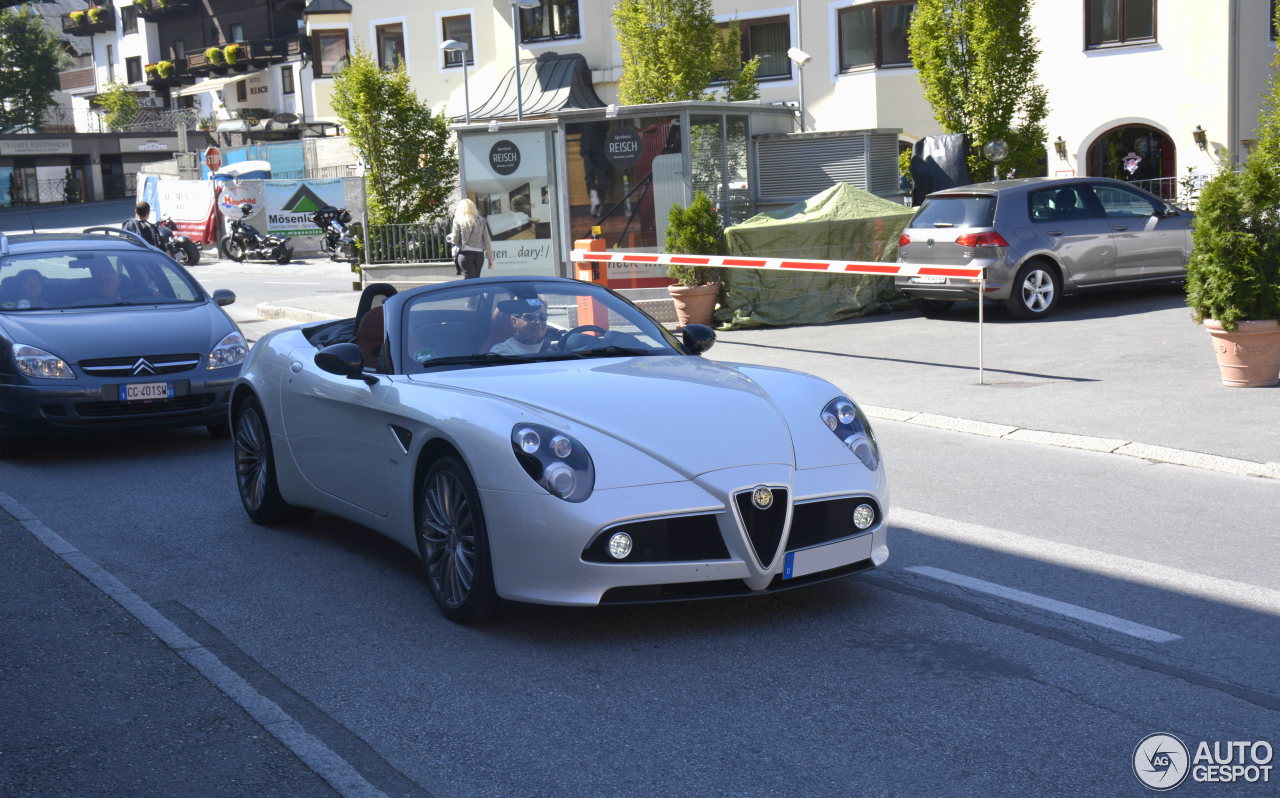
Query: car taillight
[
  {"x": 991, "y": 239},
  {"x": 903, "y": 240}
]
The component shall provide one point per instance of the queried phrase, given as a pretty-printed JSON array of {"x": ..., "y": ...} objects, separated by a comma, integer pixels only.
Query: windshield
[
  {"x": 973, "y": 210},
  {"x": 520, "y": 321},
  {"x": 81, "y": 279}
]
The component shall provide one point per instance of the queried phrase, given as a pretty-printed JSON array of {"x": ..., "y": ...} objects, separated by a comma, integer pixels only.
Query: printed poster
[{"x": 505, "y": 174}]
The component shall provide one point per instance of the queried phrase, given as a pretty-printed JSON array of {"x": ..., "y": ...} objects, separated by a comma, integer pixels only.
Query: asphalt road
[{"x": 1043, "y": 610}]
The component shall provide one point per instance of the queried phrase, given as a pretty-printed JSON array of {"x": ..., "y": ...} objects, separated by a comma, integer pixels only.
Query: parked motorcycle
[
  {"x": 338, "y": 241},
  {"x": 246, "y": 242},
  {"x": 180, "y": 247}
]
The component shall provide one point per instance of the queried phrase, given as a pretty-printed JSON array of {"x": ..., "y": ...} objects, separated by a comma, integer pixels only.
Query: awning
[
  {"x": 215, "y": 84},
  {"x": 549, "y": 84}
]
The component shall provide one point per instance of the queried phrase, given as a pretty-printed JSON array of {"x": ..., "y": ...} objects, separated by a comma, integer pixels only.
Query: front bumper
[
  {"x": 538, "y": 541},
  {"x": 57, "y": 407}
]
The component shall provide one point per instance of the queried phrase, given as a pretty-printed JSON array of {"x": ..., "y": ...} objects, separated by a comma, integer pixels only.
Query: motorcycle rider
[{"x": 141, "y": 226}]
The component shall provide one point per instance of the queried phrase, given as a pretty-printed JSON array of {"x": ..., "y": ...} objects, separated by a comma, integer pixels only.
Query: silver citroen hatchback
[{"x": 1040, "y": 238}]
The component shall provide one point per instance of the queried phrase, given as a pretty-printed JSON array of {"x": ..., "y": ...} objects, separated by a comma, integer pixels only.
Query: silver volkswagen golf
[{"x": 1042, "y": 237}]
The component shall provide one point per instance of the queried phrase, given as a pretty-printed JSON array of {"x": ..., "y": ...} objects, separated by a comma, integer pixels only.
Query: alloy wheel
[
  {"x": 1037, "y": 291},
  {"x": 252, "y": 458},
  {"x": 447, "y": 533}
]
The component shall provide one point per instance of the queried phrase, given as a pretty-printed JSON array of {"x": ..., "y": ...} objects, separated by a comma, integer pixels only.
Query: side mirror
[
  {"x": 697, "y": 338},
  {"x": 223, "y": 297},
  {"x": 345, "y": 360},
  {"x": 1167, "y": 210}
]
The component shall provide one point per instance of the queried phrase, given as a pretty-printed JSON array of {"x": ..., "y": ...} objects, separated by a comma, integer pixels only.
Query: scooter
[
  {"x": 246, "y": 242},
  {"x": 338, "y": 241},
  {"x": 180, "y": 247}
]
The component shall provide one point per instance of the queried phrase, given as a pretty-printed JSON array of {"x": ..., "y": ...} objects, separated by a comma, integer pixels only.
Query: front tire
[
  {"x": 454, "y": 544},
  {"x": 283, "y": 254},
  {"x": 188, "y": 253},
  {"x": 256, "y": 469},
  {"x": 1035, "y": 291},
  {"x": 232, "y": 249}
]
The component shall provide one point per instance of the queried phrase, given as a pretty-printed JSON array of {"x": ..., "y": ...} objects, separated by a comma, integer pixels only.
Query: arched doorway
[{"x": 1136, "y": 154}]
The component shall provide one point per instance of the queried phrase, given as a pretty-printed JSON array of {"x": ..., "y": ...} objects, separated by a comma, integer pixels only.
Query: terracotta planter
[
  {"x": 1249, "y": 357},
  {"x": 695, "y": 304}
]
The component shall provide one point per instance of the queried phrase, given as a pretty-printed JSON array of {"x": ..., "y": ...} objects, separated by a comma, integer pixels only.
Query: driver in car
[{"x": 529, "y": 322}]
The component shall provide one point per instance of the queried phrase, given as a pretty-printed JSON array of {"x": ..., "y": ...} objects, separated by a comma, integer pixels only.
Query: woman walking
[{"x": 471, "y": 241}]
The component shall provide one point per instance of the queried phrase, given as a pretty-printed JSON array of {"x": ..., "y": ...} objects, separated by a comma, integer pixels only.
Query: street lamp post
[
  {"x": 455, "y": 46},
  {"x": 516, "y": 5}
]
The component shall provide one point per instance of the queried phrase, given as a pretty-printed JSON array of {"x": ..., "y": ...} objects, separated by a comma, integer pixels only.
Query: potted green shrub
[
  {"x": 696, "y": 230},
  {"x": 214, "y": 56},
  {"x": 78, "y": 18},
  {"x": 97, "y": 14},
  {"x": 164, "y": 69},
  {"x": 231, "y": 54}
]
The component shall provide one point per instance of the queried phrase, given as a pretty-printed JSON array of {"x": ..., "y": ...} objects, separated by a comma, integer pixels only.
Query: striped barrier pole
[{"x": 977, "y": 274}]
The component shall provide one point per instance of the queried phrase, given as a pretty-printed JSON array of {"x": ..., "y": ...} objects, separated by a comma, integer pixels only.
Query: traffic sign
[{"x": 213, "y": 159}]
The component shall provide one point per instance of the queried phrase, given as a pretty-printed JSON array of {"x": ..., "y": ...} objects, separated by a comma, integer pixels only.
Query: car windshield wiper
[
  {"x": 485, "y": 359},
  {"x": 614, "y": 351},
  {"x": 943, "y": 224}
]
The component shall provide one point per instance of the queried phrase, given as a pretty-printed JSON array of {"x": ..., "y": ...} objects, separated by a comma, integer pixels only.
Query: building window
[
  {"x": 1112, "y": 22},
  {"x": 459, "y": 29},
  {"x": 875, "y": 35},
  {"x": 129, "y": 19},
  {"x": 330, "y": 47},
  {"x": 286, "y": 80},
  {"x": 554, "y": 19},
  {"x": 237, "y": 32},
  {"x": 390, "y": 46},
  {"x": 111, "y": 64},
  {"x": 767, "y": 39},
  {"x": 178, "y": 49},
  {"x": 242, "y": 91},
  {"x": 133, "y": 69},
  {"x": 1271, "y": 19}
]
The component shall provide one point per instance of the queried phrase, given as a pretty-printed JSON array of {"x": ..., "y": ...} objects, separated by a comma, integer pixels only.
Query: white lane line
[
  {"x": 1176, "y": 580},
  {"x": 1075, "y": 611},
  {"x": 327, "y": 764},
  {"x": 284, "y": 282}
]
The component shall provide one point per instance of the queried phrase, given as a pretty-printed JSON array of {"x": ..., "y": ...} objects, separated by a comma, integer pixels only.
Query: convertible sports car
[{"x": 543, "y": 440}]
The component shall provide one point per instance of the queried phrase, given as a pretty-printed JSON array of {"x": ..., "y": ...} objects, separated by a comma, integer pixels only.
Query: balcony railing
[
  {"x": 96, "y": 19},
  {"x": 144, "y": 120},
  {"x": 256, "y": 53},
  {"x": 74, "y": 79},
  {"x": 163, "y": 9},
  {"x": 177, "y": 76}
]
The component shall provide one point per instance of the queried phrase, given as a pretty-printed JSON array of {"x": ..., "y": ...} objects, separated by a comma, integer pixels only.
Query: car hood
[
  {"x": 693, "y": 414},
  {"x": 87, "y": 334}
]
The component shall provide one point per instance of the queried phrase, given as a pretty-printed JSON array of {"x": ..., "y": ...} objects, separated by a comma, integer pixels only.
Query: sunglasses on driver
[{"x": 529, "y": 316}]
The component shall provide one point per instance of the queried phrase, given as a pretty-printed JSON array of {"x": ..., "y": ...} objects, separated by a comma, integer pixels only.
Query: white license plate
[
  {"x": 824, "y": 558},
  {"x": 928, "y": 279},
  {"x": 142, "y": 391}
]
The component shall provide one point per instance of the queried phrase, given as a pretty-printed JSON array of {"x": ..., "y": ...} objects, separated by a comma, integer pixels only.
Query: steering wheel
[{"x": 581, "y": 328}]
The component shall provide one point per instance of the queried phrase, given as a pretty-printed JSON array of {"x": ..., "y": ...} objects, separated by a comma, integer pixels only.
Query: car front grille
[
  {"x": 685, "y": 538},
  {"x": 826, "y": 520},
  {"x": 139, "y": 365},
  {"x": 764, "y": 527},
  {"x": 178, "y": 404}
]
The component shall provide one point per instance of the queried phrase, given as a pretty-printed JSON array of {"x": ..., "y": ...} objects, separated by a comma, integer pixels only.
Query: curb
[{"x": 1140, "y": 451}]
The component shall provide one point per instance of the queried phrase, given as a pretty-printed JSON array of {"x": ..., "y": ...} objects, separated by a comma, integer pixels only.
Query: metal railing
[
  {"x": 406, "y": 243},
  {"x": 40, "y": 192},
  {"x": 1184, "y": 191},
  {"x": 145, "y": 120}
]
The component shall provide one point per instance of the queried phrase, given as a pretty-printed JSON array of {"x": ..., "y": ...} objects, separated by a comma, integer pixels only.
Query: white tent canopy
[{"x": 214, "y": 84}]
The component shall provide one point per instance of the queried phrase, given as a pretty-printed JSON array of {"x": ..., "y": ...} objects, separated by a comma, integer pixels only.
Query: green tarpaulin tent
[{"x": 841, "y": 223}]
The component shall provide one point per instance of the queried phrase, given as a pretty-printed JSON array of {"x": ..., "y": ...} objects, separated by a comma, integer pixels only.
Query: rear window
[{"x": 971, "y": 210}]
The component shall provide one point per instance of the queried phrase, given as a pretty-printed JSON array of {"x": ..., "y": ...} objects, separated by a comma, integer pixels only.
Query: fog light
[
  {"x": 619, "y": 545},
  {"x": 863, "y": 516}
]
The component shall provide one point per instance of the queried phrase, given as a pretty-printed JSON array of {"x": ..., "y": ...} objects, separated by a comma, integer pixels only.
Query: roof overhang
[{"x": 214, "y": 84}]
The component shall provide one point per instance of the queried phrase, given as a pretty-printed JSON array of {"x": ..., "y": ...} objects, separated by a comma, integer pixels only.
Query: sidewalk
[{"x": 1128, "y": 373}]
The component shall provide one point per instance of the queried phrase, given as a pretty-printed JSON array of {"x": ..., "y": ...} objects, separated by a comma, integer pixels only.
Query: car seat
[
  {"x": 500, "y": 329},
  {"x": 368, "y": 323}
]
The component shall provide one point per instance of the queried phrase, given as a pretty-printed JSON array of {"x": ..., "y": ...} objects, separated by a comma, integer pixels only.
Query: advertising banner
[
  {"x": 506, "y": 175},
  {"x": 290, "y": 203},
  {"x": 190, "y": 203}
]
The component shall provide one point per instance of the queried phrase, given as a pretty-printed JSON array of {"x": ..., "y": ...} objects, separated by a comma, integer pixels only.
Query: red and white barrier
[
  {"x": 741, "y": 262},
  {"x": 977, "y": 274}
]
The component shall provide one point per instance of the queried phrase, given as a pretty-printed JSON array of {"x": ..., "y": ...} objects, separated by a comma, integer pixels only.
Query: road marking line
[
  {"x": 327, "y": 764},
  {"x": 281, "y": 282},
  {"x": 1177, "y": 580},
  {"x": 1075, "y": 611}
]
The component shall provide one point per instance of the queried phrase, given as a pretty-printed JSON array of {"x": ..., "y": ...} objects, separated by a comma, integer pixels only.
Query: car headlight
[
  {"x": 846, "y": 422},
  {"x": 230, "y": 351},
  {"x": 35, "y": 362},
  {"x": 554, "y": 460}
]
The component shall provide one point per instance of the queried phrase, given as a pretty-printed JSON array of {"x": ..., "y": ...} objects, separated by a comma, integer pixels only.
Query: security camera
[{"x": 800, "y": 57}]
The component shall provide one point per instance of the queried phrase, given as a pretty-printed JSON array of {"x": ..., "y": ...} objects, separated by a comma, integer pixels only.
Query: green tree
[
  {"x": 30, "y": 58},
  {"x": 121, "y": 106},
  {"x": 695, "y": 230},
  {"x": 673, "y": 50},
  {"x": 410, "y": 162},
  {"x": 976, "y": 61}
]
